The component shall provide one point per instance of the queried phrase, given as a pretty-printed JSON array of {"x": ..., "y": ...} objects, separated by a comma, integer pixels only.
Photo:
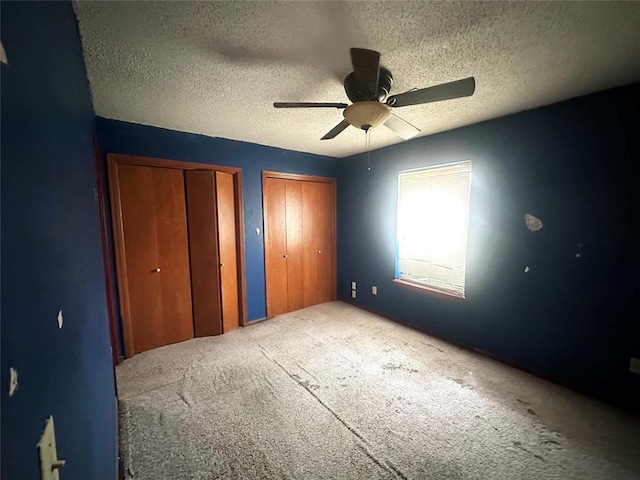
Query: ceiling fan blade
[
  {"x": 363, "y": 58},
  {"x": 309, "y": 105},
  {"x": 366, "y": 69},
  {"x": 333, "y": 133},
  {"x": 401, "y": 127},
  {"x": 446, "y": 91}
]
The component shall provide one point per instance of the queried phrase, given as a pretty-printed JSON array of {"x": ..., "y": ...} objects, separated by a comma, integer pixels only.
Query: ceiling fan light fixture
[{"x": 367, "y": 114}]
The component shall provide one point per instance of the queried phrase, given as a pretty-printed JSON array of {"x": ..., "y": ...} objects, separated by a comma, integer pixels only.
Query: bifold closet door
[
  {"x": 295, "y": 251},
  {"x": 311, "y": 229},
  {"x": 274, "y": 203},
  {"x": 203, "y": 246},
  {"x": 316, "y": 246},
  {"x": 299, "y": 243},
  {"x": 325, "y": 242},
  {"x": 228, "y": 250},
  {"x": 156, "y": 256},
  {"x": 213, "y": 245}
]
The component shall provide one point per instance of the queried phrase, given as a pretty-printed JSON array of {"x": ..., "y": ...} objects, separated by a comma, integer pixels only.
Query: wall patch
[
  {"x": 13, "y": 381},
  {"x": 533, "y": 223}
]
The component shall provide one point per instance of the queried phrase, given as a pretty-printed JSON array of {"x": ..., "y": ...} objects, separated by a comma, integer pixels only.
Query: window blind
[{"x": 433, "y": 217}]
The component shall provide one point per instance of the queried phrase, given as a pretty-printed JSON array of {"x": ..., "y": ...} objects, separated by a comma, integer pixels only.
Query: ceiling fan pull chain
[{"x": 368, "y": 147}]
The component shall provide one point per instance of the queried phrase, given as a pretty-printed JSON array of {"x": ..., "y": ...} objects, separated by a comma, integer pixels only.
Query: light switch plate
[
  {"x": 374, "y": 290},
  {"x": 49, "y": 462}
]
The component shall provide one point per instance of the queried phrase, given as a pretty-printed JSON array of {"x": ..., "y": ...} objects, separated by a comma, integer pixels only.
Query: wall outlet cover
[
  {"x": 374, "y": 290},
  {"x": 353, "y": 285},
  {"x": 353, "y": 294}
]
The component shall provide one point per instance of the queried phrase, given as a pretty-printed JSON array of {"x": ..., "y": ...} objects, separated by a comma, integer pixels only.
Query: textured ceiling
[{"x": 216, "y": 67}]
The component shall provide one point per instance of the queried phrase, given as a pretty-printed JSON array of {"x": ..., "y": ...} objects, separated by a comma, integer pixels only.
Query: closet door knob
[
  {"x": 319, "y": 251},
  {"x": 285, "y": 256},
  {"x": 222, "y": 264},
  {"x": 157, "y": 270}
]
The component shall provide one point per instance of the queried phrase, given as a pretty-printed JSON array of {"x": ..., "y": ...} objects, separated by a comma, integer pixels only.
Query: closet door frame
[
  {"x": 116, "y": 159},
  {"x": 305, "y": 178}
]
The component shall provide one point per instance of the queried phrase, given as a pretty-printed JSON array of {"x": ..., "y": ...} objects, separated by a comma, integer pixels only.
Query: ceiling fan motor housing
[{"x": 356, "y": 91}]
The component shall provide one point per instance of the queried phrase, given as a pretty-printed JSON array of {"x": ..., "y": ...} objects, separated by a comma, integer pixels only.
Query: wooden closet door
[
  {"x": 156, "y": 255},
  {"x": 295, "y": 247},
  {"x": 299, "y": 242},
  {"x": 310, "y": 231},
  {"x": 214, "y": 251},
  {"x": 203, "y": 249},
  {"x": 275, "y": 226},
  {"x": 325, "y": 243},
  {"x": 228, "y": 250}
]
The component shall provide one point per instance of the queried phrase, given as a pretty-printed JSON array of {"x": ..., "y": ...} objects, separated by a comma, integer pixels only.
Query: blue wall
[
  {"x": 51, "y": 252},
  {"x": 134, "y": 139},
  {"x": 574, "y": 166}
]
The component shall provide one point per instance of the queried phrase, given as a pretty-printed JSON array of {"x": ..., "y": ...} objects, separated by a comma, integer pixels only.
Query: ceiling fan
[{"x": 368, "y": 87}]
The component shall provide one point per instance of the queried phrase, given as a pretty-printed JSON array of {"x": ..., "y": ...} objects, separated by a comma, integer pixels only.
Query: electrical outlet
[
  {"x": 374, "y": 290},
  {"x": 353, "y": 285},
  {"x": 634, "y": 365},
  {"x": 353, "y": 294}
]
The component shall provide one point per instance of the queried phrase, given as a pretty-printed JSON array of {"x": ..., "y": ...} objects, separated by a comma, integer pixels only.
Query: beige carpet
[{"x": 334, "y": 392}]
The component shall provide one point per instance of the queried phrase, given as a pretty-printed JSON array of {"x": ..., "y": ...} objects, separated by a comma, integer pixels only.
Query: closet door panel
[
  {"x": 141, "y": 257},
  {"x": 228, "y": 248},
  {"x": 295, "y": 247},
  {"x": 203, "y": 249},
  {"x": 309, "y": 241},
  {"x": 325, "y": 242},
  {"x": 275, "y": 246},
  {"x": 156, "y": 257},
  {"x": 173, "y": 252}
]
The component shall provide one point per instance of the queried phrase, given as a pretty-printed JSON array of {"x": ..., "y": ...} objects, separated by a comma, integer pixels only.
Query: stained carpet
[{"x": 334, "y": 392}]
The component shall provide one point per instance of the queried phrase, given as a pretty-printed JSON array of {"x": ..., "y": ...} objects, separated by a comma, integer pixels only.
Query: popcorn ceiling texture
[{"x": 215, "y": 68}]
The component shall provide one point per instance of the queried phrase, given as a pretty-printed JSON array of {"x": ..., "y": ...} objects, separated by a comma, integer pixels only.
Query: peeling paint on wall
[
  {"x": 533, "y": 223},
  {"x": 13, "y": 381}
]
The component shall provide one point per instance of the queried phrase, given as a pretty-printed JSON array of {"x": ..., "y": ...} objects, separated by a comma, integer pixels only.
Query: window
[{"x": 433, "y": 216}]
